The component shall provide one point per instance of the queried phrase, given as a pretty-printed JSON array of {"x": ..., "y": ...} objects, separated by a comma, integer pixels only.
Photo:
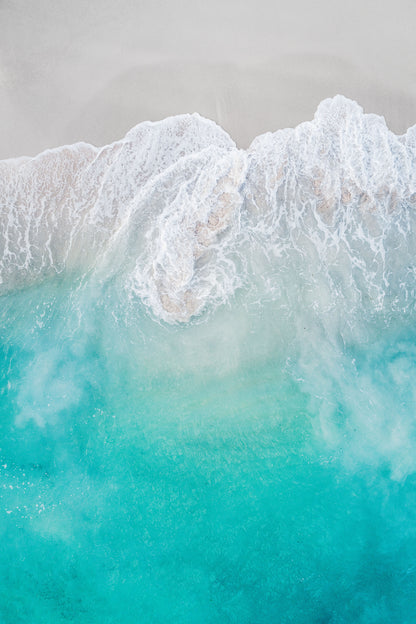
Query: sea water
[{"x": 207, "y": 385}]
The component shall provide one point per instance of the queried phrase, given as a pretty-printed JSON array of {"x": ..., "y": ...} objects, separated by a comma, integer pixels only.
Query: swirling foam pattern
[{"x": 183, "y": 207}]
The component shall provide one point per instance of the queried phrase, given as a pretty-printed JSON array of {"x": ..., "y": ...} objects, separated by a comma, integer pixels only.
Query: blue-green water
[
  {"x": 145, "y": 483},
  {"x": 234, "y": 444}
]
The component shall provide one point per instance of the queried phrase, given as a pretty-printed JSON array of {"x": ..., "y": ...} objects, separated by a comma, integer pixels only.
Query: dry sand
[{"x": 90, "y": 70}]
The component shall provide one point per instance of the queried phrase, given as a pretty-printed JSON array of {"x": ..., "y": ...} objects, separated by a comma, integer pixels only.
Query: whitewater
[{"x": 207, "y": 377}]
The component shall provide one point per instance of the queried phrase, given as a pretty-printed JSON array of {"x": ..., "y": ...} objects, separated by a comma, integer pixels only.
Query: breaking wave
[{"x": 184, "y": 218}]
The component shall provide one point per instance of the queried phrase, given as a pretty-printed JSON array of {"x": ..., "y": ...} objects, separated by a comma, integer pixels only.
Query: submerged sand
[{"x": 90, "y": 71}]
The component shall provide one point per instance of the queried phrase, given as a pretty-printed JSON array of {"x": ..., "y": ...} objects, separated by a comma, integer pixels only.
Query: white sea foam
[{"x": 185, "y": 217}]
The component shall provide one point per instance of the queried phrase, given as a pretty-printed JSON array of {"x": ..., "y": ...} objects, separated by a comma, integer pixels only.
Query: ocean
[{"x": 207, "y": 386}]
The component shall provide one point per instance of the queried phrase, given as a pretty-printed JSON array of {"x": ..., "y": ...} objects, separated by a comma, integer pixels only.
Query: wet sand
[{"x": 90, "y": 71}]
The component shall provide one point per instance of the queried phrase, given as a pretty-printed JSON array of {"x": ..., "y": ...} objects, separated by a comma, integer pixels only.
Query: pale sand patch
[{"x": 91, "y": 70}]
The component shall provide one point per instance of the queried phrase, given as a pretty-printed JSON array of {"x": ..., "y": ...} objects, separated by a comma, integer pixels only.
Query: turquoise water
[
  {"x": 158, "y": 476},
  {"x": 207, "y": 381}
]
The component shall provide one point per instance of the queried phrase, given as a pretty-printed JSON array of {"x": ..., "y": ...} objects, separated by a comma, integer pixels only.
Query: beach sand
[{"x": 91, "y": 70}]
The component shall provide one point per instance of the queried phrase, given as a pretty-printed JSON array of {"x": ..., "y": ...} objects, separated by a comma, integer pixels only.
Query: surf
[{"x": 207, "y": 375}]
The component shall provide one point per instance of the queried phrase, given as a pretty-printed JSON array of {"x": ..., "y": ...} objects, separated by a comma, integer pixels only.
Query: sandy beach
[{"x": 91, "y": 71}]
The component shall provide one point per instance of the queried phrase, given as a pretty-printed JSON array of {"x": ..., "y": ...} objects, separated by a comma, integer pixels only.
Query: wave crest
[{"x": 186, "y": 218}]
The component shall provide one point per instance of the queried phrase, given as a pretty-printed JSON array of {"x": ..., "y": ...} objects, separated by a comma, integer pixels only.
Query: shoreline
[{"x": 251, "y": 69}]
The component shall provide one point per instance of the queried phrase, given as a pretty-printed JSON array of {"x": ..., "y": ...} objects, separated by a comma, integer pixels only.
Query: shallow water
[{"x": 207, "y": 380}]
